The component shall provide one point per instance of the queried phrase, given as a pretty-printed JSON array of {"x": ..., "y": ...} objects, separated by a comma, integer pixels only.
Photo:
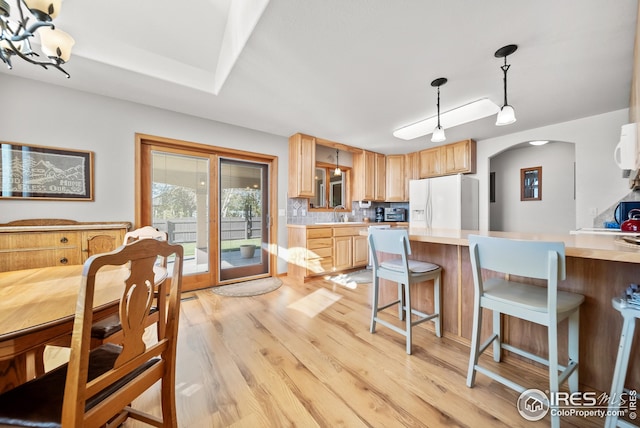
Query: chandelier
[{"x": 33, "y": 17}]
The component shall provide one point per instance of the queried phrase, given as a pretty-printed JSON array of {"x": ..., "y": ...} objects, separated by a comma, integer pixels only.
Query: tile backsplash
[{"x": 298, "y": 212}]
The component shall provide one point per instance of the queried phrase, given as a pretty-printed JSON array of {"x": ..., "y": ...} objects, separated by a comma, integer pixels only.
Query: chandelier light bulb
[
  {"x": 32, "y": 18},
  {"x": 506, "y": 116},
  {"x": 438, "y": 135}
]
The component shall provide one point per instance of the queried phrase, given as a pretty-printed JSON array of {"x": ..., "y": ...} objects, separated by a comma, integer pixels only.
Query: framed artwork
[
  {"x": 531, "y": 184},
  {"x": 37, "y": 172}
]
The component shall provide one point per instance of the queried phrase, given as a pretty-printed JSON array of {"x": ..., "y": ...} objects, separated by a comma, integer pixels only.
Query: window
[{"x": 331, "y": 190}]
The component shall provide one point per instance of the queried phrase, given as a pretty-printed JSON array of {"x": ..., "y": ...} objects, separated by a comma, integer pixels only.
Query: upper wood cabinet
[
  {"x": 411, "y": 169},
  {"x": 454, "y": 158},
  {"x": 380, "y": 182},
  {"x": 302, "y": 166},
  {"x": 431, "y": 162},
  {"x": 460, "y": 157},
  {"x": 396, "y": 178},
  {"x": 369, "y": 181}
]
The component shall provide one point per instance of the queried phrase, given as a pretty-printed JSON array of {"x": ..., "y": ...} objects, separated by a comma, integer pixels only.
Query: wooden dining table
[{"x": 37, "y": 307}]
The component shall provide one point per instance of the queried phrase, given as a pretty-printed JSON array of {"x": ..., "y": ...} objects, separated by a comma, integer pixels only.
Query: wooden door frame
[{"x": 170, "y": 144}]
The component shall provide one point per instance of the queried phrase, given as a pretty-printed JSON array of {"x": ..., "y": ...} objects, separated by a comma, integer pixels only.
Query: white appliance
[
  {"x": 449, "y": 202},
  {"x": 625, "y": 152}
]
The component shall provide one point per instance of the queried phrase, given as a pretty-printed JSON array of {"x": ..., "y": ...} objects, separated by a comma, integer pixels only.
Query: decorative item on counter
[
  {"x": 633, "y": 223},
  {"x": 632, "y": 295}
]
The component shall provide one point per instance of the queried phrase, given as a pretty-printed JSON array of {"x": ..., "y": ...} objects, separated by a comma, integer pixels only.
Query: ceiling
[{"x": 353, "y": 71}]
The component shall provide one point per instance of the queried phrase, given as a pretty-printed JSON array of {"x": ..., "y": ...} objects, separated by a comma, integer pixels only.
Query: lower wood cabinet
[
  {"x": 350, "y": 249},
  {"x": 28, "y": 244},
  {"x": 325, "y": 250}
]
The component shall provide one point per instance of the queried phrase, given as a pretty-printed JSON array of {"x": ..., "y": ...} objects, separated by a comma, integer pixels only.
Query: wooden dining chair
[
  {"x": 97, "y": 386},
  {"x": 109, "y": 330}
]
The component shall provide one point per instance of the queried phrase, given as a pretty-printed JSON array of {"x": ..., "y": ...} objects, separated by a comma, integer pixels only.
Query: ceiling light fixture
[
  {"x": 460, "y": 115},
  {"x": 507, "y": 115},
  {"x": 438, "y": 133},
  {"x": 337, "y": 171},
  {"x": 16, "y": 33},
  {"x": 538, "y": 142}
]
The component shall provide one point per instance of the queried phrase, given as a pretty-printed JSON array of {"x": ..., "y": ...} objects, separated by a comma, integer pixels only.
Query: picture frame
[
  {"x": 39, "y": 172},
  {"x": 531, "y": 184}
]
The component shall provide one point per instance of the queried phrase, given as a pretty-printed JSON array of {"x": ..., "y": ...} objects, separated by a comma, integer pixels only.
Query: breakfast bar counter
[{"x": 598, "y": 267}]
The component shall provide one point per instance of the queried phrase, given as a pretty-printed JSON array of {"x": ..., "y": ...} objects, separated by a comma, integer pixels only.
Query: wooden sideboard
[{"x": 27, "y": 244}]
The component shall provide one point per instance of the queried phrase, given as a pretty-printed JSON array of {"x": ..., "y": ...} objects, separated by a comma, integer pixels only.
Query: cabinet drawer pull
[
  {"x": 64, "y": 260},
  {"x": 64, "y": 240}
]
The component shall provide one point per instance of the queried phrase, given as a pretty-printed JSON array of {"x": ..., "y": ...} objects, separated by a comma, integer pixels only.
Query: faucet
[{"x": 335, "y": 214}]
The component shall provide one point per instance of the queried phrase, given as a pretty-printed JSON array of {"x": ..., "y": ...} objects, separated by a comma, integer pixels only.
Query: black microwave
[{"x": 395, "y": 214}]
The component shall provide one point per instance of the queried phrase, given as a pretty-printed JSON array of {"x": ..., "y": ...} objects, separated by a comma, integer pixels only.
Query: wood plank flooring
[{"x": 303, "y": 356}]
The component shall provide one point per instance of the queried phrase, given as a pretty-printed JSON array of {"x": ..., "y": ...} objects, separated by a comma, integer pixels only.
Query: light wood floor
[{"x": 303, "y": 356}]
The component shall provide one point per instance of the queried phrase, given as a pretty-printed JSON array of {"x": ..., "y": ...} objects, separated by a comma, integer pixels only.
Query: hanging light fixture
[
  {"x": 16, "y": 33},
  {"x": 337, "y": 171},
  {"x": 438, "y": 133},
  {"x": 506, "y": 115}
]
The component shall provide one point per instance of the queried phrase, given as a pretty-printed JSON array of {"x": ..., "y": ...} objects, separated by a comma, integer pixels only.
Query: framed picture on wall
[
  {"x": 531, "y": 184},
  {"x": 37, "y": 172}
]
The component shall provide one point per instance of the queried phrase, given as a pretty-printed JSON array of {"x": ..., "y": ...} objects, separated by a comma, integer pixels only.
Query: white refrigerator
[{"x": 449, "y": 202}]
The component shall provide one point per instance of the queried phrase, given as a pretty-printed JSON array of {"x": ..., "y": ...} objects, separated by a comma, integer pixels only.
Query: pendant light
[
  {"x": 337, "y": 171},
  {"x": 438, "y": 133},
  {"x": 506, "y": 115}
]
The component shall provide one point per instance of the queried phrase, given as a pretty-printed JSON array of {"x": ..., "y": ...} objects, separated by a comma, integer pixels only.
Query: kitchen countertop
[
  {"x": 601, "y": 247},
  {"x": 349, "y": 223}
]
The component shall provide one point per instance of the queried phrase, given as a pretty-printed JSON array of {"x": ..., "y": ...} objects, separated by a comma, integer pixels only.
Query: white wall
[
  {"x": 556, "y": 211},
  {"x": 598, "y": 179},
  {"x": 41, "y": 114}
]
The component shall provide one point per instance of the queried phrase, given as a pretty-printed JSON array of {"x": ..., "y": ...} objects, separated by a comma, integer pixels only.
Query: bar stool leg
[
  {"x": 620, "y": 372},
  {"x": 436, "y": 305},
  {"x": 475, "y": 341},
  {"x": 402, "y": 304},
  {"x": 407, "y": 315},
  {"x": 374, "y": 308},
  {"x": 497, "y": 332},
  {"x": 554, "y": 386},
  {"x": 574, "y": 347}
]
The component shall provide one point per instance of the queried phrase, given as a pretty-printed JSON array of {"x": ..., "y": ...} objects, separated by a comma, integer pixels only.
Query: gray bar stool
[
  {"x": 629, "y": 314},
  {"x": 405, "y": 272}
]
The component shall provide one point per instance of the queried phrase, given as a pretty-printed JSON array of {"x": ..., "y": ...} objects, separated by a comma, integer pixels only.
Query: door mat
[
  {"x": 248, "y": 288},
  {"x": 364, "y": 276}
]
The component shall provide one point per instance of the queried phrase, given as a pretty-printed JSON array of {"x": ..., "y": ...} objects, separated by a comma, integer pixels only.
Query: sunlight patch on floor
[{"x": 316, "y": 302}]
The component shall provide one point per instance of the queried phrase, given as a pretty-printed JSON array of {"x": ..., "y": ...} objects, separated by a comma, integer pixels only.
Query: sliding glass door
[
  {"x": 244, "y": 226},
  {"x": 215, "y": 202}
]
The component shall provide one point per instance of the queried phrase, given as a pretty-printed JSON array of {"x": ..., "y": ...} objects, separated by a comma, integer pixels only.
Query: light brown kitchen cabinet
[
  {"x": 431, "y": 162},
  {"x": 360, "y": 251},
  {"x": 302, "y": 166},
  {"x": 363, "y": 176},
  {"x": 369, "y": 176},
  {"x": 380, "y": 184},
  {"x": 343, "y": 252},
  {"x": 321, "y": 250},
  {"x": 460, "y": 157},
  {"x": 310, "y": 251},
  {"x": 27, "y": 244},
  {"x": 454, "y": 158},
  {"x": 412, "y": 170},
  {"x": 396, "y": 179},
  {"x": 348, "y": 250}
]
